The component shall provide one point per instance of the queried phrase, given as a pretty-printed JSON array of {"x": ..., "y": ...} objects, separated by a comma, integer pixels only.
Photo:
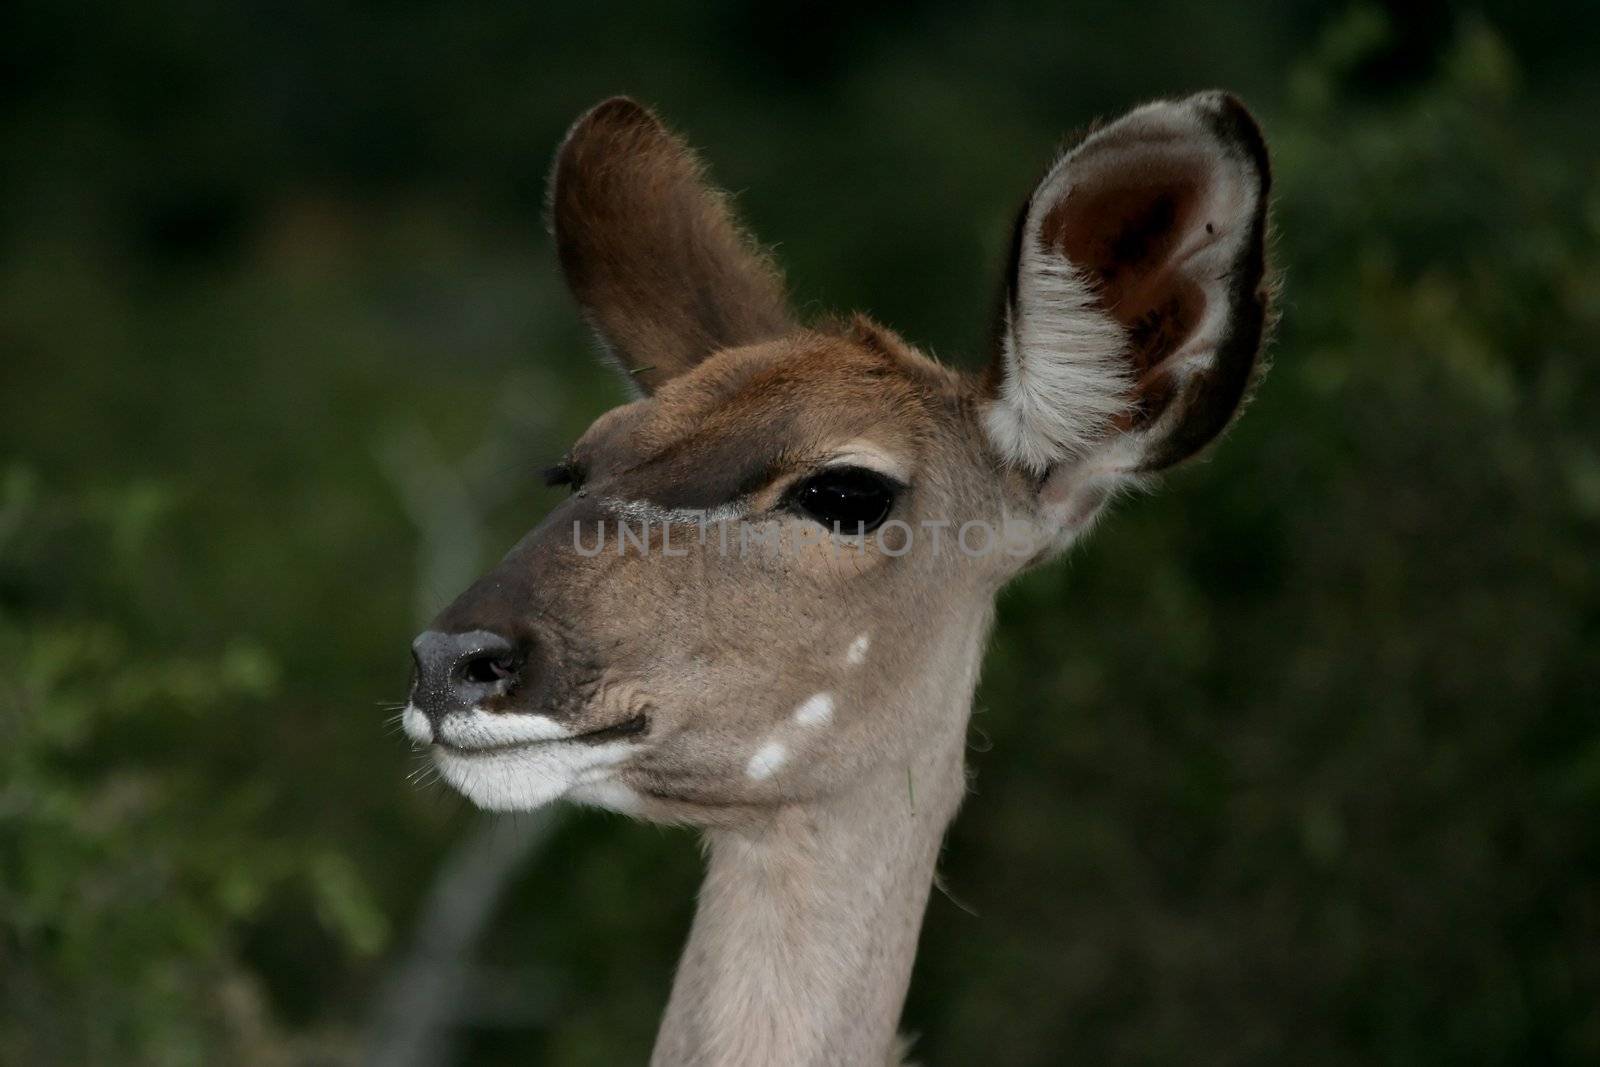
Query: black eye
[{"x": 851, "y": 500}]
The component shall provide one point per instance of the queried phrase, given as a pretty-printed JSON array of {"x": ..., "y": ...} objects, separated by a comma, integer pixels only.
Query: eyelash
[
  {"x": 564, "y": 473},
  {"x": 569, "y": 474}
]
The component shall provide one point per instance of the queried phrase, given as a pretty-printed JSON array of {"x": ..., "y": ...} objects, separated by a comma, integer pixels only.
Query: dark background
[{"x": 1295, "y": 762}]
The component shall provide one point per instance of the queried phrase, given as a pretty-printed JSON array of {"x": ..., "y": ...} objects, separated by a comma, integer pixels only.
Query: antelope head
[{"x": 779, "y": 562}]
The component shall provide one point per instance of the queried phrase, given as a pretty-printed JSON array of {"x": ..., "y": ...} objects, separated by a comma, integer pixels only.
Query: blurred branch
[
  {"x": 444, "y": 506},
  {"x": 435, "y": 986}
]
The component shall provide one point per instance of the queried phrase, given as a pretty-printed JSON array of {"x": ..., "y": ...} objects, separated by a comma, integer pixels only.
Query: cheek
[
  {"x": 794, "y": 551},
  {"x": 843, "y": 560},
  {"x": 771, "y": 732},
  {"x": 756, "y": 665}
]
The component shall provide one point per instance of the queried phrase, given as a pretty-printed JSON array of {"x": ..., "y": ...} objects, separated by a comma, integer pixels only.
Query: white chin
[{"x": 522, "y": 779}]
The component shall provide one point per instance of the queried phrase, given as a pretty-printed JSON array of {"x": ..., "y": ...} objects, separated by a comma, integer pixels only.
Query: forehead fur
[{"x": 747, "y": 415}]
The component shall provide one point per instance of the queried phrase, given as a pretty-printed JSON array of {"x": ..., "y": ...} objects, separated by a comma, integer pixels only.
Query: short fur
[
  {"x": 651, "y": 251},
  {"x": 807, "y": 705}
]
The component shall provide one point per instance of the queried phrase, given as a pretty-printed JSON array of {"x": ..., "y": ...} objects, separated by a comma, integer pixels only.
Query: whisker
[
  {"x": 424, "y": 775},
  {"x": 395, "y": 725}
]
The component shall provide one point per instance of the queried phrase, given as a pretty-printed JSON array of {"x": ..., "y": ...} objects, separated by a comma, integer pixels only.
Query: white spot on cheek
[
  {"x": 768, "y": 758},
  {"x": 857, "y": 655},
  {"x": 815, "y": 711}
]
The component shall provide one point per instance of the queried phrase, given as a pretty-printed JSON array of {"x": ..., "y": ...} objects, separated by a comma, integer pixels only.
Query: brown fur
[
  {"x": 692, "y": 664},
  {"x": 652, "y": 252}
]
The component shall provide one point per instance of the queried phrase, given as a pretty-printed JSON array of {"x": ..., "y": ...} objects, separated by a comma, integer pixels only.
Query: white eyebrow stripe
[
  {"x": 864, "y": 453},
  {"x": 645, "y": 511}
]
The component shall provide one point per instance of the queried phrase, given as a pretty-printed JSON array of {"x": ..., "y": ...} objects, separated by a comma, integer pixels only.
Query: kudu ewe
[{"x": 780, "y": 643}]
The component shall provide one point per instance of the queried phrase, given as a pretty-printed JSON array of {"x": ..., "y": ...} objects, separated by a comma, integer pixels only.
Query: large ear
[
  {"x": 651, "y": 250},
  {"x": 1136, "y": 300}
]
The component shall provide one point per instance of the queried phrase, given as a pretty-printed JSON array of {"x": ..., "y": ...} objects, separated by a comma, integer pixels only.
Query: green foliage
[
  {"x": 1331, "y": 736},
  {"x": 132, "y": 820},
  {"x": 1297, "y": 760}
]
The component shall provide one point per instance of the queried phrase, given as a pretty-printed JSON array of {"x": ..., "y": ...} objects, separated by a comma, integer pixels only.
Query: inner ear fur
[
  {"x": 652, "y": 251},
  {"x": 1137, "y": 302}
]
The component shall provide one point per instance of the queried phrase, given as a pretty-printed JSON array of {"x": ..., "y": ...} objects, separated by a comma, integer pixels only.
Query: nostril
[
  {"x": 488, "y": 669},
  {"x": 460, "y": 670}
]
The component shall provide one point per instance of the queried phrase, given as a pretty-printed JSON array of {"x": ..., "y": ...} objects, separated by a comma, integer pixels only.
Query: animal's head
[{"x": 775, "y": 560}]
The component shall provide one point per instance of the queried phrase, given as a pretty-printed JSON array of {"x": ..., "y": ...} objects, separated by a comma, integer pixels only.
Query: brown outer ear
[
  {"x": 1210, "y": 399},
  {"x": 651, "y": 250}
]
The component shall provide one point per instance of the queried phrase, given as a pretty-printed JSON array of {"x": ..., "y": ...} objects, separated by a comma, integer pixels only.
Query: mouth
[
  {"x": 635, "y": 726},
  {"x": 519, "y": 762}
]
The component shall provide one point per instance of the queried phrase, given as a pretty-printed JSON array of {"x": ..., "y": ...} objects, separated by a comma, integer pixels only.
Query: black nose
[{"x": 455, "y": 672}]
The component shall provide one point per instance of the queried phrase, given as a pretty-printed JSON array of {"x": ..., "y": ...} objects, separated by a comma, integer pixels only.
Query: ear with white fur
[{"x": 1136, "y": 302}]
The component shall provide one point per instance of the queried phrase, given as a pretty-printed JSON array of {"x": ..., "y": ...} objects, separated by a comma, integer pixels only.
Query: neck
[{"x": 807, "y": 925}]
